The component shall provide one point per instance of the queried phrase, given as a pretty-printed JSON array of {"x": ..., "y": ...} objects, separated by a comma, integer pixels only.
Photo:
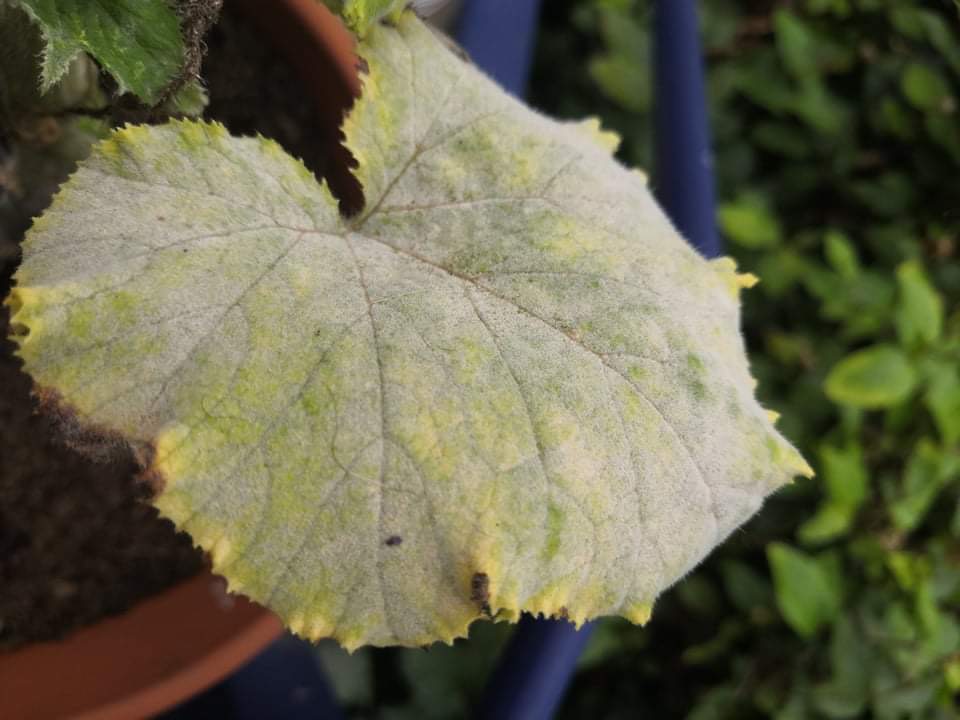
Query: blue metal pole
[
  {"x": 683, "y": 167},
  {"x": 284, "y": 682},
  {"x": 534, "y": 671},
  {"x": 499, "y": 36}
]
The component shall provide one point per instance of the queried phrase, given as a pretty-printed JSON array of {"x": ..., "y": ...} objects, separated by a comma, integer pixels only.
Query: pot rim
[{"x": 141, "y": 662}]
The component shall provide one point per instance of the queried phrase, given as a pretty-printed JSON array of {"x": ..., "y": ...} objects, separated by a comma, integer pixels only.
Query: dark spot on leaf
[
  {"x": 362, "y": 66},
  {"x": 393, "y": 540},
  {"x": 480, "y": 592}
]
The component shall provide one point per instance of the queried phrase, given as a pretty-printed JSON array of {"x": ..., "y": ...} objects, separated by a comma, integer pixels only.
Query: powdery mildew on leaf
[{"x": 506, "y": 385}]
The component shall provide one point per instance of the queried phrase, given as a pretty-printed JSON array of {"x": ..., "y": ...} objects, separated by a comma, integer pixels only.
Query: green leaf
[
  {"x": 749, "y": 223},
  {"x": 875, "y": 377},
  {"x": 796, "y": 707},
  {"x": 610, "y": 637},
  {"x": 795, "y": 43},
  {"x": 137, "y": 41},
  {"x": 20, "y": 95},
  {"x": 487, "y": 392},
  {"x": 841, "y": 254},
  {"x": 924, "y": 86},
  {"x": 951, "y": 674},
  {"x": 927, "y": 471},
  {"x": 718, "y": 646},
  {"x": 830, "y": 521},
  {"x": 781, "y": 271},
  {"x": 942, "y": 36},
  {"x": 446, "y": 682},
  {"x": 621, "y": 72},
  {"x": 845, "y": 477},
  {"x": 890, "y": 194},
  {"x": 190, "y": 100},
  {"x": 819, "y": 108},
  {"x": 919, "y": 312},
  {"x": 782, "y": 138},
  {"x": 717, "y": 703},
  {"x": 807, "y": 593},
  {"x": 901, "y": 697},
  {"x": 908, "y": 569},
  {"x": 698, "y": 595},
  {"x": 943, "y": 400},
  {"x": 847, "y": 692},
  {"x": 350, "y": 674},
  {"x": 747, "y": 589}
]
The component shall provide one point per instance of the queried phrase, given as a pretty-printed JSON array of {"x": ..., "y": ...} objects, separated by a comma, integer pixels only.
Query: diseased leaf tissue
[{"x": 506, "y": 385}]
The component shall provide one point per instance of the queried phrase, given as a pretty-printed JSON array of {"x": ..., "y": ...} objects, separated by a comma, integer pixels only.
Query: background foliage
[{"x": 837, "y": 147}]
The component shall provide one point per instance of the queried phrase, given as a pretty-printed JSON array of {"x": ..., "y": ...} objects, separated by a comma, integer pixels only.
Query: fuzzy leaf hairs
[
  {"x": 137, "y": 41},
  {"x": 506, "y": 385}
]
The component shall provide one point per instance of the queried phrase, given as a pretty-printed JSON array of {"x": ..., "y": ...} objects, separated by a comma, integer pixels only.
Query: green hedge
[{"x": 837, "y": 137}]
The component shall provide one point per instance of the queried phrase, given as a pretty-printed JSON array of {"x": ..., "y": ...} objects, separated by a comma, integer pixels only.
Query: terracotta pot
[
  {"x": 189, "y": 637},
  {"x": 321, "y": 50},
  {"x": 140, "y": 663}
]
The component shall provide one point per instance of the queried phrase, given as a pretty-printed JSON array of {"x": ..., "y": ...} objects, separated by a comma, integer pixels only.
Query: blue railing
[
  {"x": 284, "y": 682},
  {"x": 683, "y": 167}
]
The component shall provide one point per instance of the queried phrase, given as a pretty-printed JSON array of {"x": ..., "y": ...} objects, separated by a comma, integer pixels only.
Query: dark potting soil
[{"x": 78, "y": 541}]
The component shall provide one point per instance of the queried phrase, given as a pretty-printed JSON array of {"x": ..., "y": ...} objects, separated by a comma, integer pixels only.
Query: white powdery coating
[{"x": 507, "y": 385}]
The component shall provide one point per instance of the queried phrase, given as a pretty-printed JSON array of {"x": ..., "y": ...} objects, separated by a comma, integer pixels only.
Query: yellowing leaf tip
[
  {"x": 607, "y": 139},
  {"x": 747, "y": 280},
  {"x": 726, "y": 268},
  {"x": 639, "y": 613}
]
